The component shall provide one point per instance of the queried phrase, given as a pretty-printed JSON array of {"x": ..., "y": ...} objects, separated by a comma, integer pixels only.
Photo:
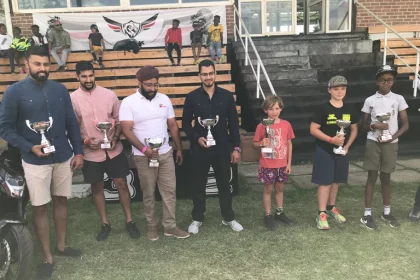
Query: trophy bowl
[
  {"x": 104, "y": 125},
  {"x": 267, "y": 122},
  {"x": 43, "y": 125},
  {"x": 155, "y": 142},
  {"x": 343, "y": 124},
  {"x": 383, "y": 117},
  {"x": 208, "y": 122}
]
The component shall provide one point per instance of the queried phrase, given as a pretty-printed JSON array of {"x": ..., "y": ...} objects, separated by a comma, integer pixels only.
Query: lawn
[{"x": 346, "y": 251}]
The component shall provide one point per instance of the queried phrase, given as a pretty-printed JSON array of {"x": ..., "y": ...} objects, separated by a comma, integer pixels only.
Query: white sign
[{"x": 148, "y": 26}]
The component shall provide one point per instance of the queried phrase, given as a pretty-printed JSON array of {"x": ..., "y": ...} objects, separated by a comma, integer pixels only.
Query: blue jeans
[{"x": 215, "y": 46}]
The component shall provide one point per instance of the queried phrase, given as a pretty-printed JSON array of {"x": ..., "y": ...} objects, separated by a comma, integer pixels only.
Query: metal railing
[
  {"x": 386, "y": 48},
  {"x": 248, "y": 42}
]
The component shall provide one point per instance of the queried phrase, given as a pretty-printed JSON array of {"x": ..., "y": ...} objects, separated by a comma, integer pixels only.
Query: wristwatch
[{"x": 238, "y": 149}]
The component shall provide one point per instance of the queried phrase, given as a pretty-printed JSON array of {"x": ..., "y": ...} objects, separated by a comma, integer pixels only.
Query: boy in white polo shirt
[
  {"x": 148, "y": 114},
  {"x": 381, "y": 154}
]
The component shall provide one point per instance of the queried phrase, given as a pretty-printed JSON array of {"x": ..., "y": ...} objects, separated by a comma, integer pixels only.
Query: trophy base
[
  {"x": 154, "y": 164},
  {"x": 106, "y": 146},
  {"x": 48, "y": 150},
  {"x": 386, "y": 137},
  {"x": 267, "y": 150},
  {"x": 339, "y": 151},
  {"x": 210, "y": 143}
]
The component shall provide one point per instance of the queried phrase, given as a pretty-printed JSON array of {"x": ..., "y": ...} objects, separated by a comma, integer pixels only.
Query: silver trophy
[
  {"x": 342, "y": 124},
  {"x": 155, "y": 144},
  {"x": 384, "y": 118},
  {"x": 105, "y": 127},
  {"x": 209, "y": 123},
  {"x": 267, "y": 123},
  {"x": 41, "y": 127}
]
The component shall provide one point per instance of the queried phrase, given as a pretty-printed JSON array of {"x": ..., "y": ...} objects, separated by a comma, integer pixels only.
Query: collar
[
  {"x": 88, "y": 92},
  {"x": 144, "y": 98},
  {"x": 216, "y": 89},
  {"x": 389, "y": 95}
]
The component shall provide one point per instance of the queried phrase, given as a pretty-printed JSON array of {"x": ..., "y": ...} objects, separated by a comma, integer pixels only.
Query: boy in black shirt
[
  {"x": 196, "y": 41},
  {"x": 97, "y": 45},
  {"x": 330, "y": 169}
]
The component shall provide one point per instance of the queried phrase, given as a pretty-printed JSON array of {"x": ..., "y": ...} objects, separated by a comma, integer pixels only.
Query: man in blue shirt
[{"x": 48, "y": 175}]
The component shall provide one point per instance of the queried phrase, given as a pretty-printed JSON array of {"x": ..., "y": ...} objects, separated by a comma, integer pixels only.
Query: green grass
[{"x": 346, "y": 251}]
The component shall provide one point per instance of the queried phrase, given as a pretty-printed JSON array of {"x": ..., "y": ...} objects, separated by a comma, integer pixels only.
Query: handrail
[
  {"x": 387, "y": 26},
  {"x": 260, "y": 65}
]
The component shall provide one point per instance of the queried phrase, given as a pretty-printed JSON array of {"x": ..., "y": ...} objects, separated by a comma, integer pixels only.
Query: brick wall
[
  {"x": 24, "y": 21},
  {"x": 393, "y": 12}
]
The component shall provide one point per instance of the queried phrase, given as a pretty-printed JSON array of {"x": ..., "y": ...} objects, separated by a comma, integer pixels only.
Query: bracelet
[
  {"x": 330, "y": 140},
  {"x": 144, "y": 149}
]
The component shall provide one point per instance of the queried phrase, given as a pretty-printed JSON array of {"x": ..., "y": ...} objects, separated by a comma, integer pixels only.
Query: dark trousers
[
  {"x": 171, "y": 47},
  {"x": 200, "y": 169},
  {"x": 417, "y": 201},
  {"x": 9, "y": 53}
]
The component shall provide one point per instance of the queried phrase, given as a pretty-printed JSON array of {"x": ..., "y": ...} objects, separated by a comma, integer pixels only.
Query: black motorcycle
[{"x": 16, "y": 242}]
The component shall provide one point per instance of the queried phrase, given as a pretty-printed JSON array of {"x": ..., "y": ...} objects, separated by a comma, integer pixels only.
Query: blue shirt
[{"x": 34, "y": 101}]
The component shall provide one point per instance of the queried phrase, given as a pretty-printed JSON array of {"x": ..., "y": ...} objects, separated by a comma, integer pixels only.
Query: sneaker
[
  {"x": 321, "y": 221},
  {"x": 152, "y": 233},
  {"x": 333, "y": 213},
  {"x": 176, "y": 232},
  {"x": 368, "y": 222},
  {"x": 269, "y": 222},
  {"x": 104, "y": 233},
  {"x": 393, "y": 222},
  {"x": 414, "y": 215},
  {"x": 133, "y": 231},
  {"x": 233, "y": 225},
  {"x": 194, "y": 227},
  {"x": 68, "y": 252},
  {"x": 281, "y": 217},
  {"x": 45, "y": 271},
  {"x": 95, "y": 62}
]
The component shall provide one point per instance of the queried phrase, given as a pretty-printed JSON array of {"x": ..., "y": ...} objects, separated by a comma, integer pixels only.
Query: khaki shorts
[
  {"x": 98, "y": 49},
  {"x": 48, "y": 180},
  {"x": 382, "y": 157}
]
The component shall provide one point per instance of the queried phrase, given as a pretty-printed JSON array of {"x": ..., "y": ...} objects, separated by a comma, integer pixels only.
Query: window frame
[{"x": 124, "y": 5}]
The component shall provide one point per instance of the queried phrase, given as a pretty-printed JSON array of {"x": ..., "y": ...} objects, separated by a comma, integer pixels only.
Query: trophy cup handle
[
  {"x": 51, "y": 123},
  {"x": 28, "y": 124},
  {"x": 217, "y": 120},
  {"x": 199, "y": 121}
]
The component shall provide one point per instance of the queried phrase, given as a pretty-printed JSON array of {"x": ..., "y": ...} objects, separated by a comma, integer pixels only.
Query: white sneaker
[
  {"x": 233, "y": 225},
  {"x": 193, "y": 228}
]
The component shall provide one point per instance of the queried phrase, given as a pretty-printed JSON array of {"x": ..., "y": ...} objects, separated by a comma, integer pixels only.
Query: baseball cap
[
  {"x": 386, "y": 69},
  {"x": 337, "y": 81}
]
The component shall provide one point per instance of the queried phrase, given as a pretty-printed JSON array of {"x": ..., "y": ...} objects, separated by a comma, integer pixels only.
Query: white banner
[{"x": 148, "y": 26}]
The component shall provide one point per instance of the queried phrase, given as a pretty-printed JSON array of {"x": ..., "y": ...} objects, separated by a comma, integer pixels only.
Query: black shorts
[
  {"x": 329, "y": 168},
  {"x": 93, "y": 172}
]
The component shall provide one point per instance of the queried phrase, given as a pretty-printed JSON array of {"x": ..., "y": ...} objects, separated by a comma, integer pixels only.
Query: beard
[
  {"x": 37, "y": 75},
  {"x": 88, "y": 87},
  {"x": 148, "y": 94}
]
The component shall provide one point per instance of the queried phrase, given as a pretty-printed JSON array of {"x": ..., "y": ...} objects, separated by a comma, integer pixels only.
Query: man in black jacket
[{"x": 212, "y": 102}]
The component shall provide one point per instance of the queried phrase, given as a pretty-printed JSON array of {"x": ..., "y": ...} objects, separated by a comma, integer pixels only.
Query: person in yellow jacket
[{"x": 20, "y": 45}]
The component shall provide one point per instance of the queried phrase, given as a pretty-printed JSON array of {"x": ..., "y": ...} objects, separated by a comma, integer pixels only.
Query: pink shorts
[{"x": 272, "y": 175}]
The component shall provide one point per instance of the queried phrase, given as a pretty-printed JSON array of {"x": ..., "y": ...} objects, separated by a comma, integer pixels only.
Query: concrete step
[
  {"x": 285, "y": 75},
  {"x": 275, "y": 68},
  {"x": 352, "y": 74},
  {"x": 346, "y": 60}
]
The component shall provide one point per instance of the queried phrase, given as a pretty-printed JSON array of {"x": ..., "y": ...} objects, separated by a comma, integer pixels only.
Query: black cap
[
  {"x": 386, "y": 69},
  {"x": 94, "y": 26}
]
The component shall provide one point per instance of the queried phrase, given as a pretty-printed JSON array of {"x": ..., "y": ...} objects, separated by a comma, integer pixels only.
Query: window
[
  {"x": 251, "y": 15},
  {"x": 198, "y": 1},
  {"x": 149, "y": 2},
  {"x": 41, "y": 4},
  {"x": 94, "y": 3}
]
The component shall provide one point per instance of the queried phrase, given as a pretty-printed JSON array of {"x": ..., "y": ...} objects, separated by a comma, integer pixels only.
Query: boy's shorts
[
  {"x": 272, "y": 175},
  {"x": 98, "y": 49},
  {"x": 196, "y": 45},
  {"x": 329, "y": 168},
  {"x": 382, "y": 157}
]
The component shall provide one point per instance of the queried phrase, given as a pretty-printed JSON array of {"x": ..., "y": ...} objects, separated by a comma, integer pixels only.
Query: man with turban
[{"x": 147, "y": 115}]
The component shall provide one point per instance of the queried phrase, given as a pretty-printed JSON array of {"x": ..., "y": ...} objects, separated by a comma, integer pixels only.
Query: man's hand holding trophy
[{"x": 41, "y": 127}]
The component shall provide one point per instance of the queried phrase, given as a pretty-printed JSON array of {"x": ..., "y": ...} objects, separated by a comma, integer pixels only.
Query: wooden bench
[
  {"x": 119, "y": 75},
  {"x": 398, "y": 46}
]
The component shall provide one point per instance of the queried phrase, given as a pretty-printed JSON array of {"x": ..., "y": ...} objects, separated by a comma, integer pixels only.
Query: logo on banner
[{"x": 131, "y": 28}]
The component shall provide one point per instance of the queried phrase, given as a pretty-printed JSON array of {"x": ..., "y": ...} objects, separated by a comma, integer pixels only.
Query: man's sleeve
[
  {"x": 125, "y": 113},
  {"x": 72, "y": 126},
  {"x": 167, "y": 36},
  {"x": 171, "y": 112},
  {"x": 233, "y": 122},
  {"x": 187, "y": 118},
  {"x": 50, "y": 36},
  {"x": 8, "y": 120},
  {"x": 116, "y": 109},
  {"x": 75, "y": 108},
  {"x": 68, "y": 40}
]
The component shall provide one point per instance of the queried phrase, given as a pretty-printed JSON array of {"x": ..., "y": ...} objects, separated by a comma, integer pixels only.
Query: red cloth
[
  {"x": 173, "y": 36},
  {"x": 279, "y": 135}
]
